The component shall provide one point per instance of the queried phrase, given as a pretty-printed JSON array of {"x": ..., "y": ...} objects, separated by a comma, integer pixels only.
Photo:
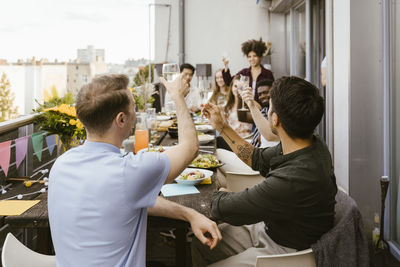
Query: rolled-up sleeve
[
  {"x": 263, "y": 202},
  {"x": 262, "y": 157}
]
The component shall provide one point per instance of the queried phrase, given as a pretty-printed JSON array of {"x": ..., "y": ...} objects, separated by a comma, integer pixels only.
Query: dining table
[{"x": 37, "y": 216}]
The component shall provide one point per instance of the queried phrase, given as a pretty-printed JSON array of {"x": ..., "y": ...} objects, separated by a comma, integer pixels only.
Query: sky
[{"x": 55, "y": 29}]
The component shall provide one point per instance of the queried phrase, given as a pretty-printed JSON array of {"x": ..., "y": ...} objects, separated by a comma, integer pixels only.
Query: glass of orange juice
[{"x": 141, "y": 132}]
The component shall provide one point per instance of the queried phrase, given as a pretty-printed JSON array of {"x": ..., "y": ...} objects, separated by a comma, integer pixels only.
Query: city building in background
[{"x": 90, "y": 54}]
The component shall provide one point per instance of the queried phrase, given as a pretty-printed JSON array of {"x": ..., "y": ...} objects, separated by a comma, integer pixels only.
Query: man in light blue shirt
[{"x": 98, "y": 199}]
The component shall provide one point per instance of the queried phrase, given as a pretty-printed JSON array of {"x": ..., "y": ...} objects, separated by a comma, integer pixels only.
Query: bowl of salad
[
  {"x": 193, "y": 176},
  {"x": 205, "y": 161}
]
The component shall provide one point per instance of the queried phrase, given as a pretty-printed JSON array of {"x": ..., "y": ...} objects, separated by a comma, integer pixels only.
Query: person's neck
[
  {"x": 258, "y": 67},
  {"x": 107, "y": 138},
  {"x": 223, "y": 90},
  {"x": 290, "y": 145}
]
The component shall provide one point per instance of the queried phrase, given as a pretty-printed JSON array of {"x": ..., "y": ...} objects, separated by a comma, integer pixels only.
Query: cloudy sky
[{"x": 55, "y": 29}]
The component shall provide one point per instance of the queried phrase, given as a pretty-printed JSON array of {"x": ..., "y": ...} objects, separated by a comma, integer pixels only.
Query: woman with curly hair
[{"x": 254, "y": 50}]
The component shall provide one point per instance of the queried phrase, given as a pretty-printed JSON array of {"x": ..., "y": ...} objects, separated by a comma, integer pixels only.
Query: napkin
[
  {"x": 16, "y": 207},
  {"x": 169, "y": 190},
  {"x": 206, "y": 181}
]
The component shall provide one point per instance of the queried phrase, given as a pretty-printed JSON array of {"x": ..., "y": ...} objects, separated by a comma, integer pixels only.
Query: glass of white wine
[
  {"x": 170, "y": 71},
  {"x": 244, "y": 83}
]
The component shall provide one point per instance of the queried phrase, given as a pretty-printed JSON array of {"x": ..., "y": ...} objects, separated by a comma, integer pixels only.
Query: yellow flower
[
  {"x": 79, "y": 124},
  {"x": 72, "y": 122},
  {"x": 52, "y": 109}
]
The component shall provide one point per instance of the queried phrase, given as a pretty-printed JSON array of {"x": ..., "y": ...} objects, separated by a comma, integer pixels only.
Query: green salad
[
  {"x": 205, "y": 161},
  {"x": 194, "y": 175}
]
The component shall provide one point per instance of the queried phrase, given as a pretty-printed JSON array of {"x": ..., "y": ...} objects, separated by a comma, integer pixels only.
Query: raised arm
[
  {"x": 239, "y": 146},
  {"x": 259, "y": 119},
  {"x": 199, "y": 223},
  {"x": 181, "y": 155}
]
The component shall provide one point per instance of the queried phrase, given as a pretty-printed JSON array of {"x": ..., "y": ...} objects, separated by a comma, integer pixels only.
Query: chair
[
  {"x": 304, "y": 258},
  {"x": 15, "y": 254},
  {"x": 239, "y": 176}
]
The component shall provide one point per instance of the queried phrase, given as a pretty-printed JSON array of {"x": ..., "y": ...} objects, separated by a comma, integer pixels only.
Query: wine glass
[
  {"x": 243, "y": 84},
  {"x": 170, "y": 71}
]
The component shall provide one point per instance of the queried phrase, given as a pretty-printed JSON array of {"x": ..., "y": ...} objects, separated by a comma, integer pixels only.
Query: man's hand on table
[{"x": 201, "y": 225}]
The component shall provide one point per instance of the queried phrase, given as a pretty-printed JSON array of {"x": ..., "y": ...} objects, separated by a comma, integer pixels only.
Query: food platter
[{"x": 192, "y": 176}]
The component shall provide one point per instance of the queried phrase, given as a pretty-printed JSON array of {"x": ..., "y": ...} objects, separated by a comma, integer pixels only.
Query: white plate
[
  {"x": 205, "y": 138},
  {"x": 163, "y": 118},
  {"x": 204, "y": 128},
  {"x": 206, "y": 173}
]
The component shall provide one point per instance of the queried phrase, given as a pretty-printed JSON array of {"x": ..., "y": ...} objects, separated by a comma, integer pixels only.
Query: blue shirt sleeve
[{"x": 144, "y": 175}]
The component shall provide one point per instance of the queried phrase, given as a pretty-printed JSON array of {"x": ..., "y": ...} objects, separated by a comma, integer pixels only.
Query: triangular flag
[
  {"x": 37, "y": 141},
  {"x": 21, "y": 146},
  {"x": 51, "y": 142},
  {"x": 5, "y": 156}
]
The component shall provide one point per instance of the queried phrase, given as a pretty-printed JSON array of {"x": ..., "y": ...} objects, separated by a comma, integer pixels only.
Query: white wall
[
  {"x": 210, "y": 29},
  {"x": 54, "y": 75},
  {"x": 341, "y": 79}
]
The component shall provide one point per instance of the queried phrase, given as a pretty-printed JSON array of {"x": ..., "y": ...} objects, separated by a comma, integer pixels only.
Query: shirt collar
[
  {"x": 279, "y": 159},
  {"x": 100, "y": 147}
]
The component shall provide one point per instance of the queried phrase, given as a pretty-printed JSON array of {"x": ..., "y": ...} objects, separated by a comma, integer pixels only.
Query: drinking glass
[
  {"x": 204, "y": 96},
  {"x": 226, "y": 56},
  {"x": 170, "y": 71},
  {"x": 151, "y": 121},
  {"x": 141, "y": 132},
  {"x": 244, "y": 83}
]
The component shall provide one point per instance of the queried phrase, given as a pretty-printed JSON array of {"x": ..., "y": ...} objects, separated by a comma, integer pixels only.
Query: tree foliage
[
  {"x": 142, "y": 76},
  {"x": 7, "y": 109}
]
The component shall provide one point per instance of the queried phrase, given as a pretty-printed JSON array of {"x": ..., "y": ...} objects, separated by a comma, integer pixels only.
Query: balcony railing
[{"x": 16, "y": 128}]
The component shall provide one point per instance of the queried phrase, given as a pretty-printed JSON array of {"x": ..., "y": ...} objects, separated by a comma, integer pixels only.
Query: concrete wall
[
  {"x": 211, "y": 28},
  {"x": 277, "y": 33},
  {"x": 366, "y": 106},
  {"x": 358, "y": 102},
  {"x": 341, "y": 80}
]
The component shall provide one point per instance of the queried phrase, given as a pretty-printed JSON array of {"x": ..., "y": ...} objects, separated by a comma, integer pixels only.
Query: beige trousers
[{"x": 240, "y": 246}]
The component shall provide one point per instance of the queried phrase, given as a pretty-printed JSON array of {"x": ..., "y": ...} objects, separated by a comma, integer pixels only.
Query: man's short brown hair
[{"x": 98, "y": 102}]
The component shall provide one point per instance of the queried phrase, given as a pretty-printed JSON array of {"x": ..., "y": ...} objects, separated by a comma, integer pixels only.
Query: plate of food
[
  {"x": 205, "y": 161},
  {"x": 193, "y": 176},
  {"x": 205, "y": 138},
  {"x": 158, "y": 149},
  {"x": 203, "y": 127},
  {"x": 163, "y": 117}
]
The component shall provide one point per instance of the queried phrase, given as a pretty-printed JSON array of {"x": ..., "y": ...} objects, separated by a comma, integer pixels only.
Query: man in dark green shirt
[{"x": 294, "y": 206}]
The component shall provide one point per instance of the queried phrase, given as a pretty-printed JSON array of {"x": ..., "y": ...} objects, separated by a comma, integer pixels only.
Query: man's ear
[
  {"x": 275, "y": 119},
  {"x": 120, "y": 119}
]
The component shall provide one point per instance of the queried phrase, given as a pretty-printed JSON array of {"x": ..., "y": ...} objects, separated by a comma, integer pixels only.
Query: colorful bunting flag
[
  {"x": 21, "y": 146},
  {"x": 51, "y": 142},
  {"x": 5, "y": 156},
  {"x": 37, "y": 141}
]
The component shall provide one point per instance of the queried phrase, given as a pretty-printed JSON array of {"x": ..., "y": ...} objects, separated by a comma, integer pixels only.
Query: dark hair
[
  {"x": 257, "y": 46},
  {"x": 266, "y": 82},
  {"x": 298, "y": 105},
  {"x": 187, "y": 66},
  {"x": 98, "y": 102}
]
